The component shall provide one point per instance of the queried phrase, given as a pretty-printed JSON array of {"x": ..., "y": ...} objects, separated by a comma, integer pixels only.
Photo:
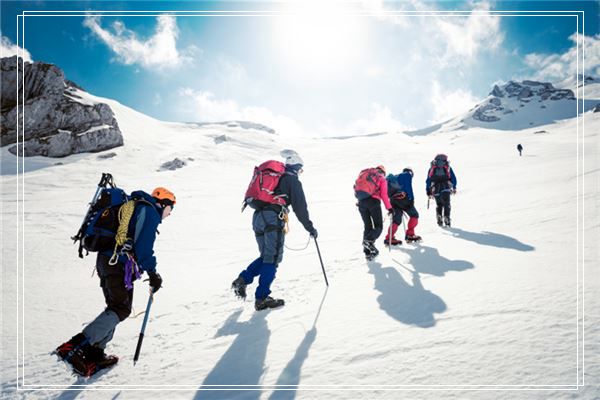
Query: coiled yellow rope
[{"x": 125, "y": 213}]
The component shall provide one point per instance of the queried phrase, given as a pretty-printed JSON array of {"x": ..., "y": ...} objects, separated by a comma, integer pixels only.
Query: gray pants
[
  {"x": 118, "y": 302},
  {"x": 268, "y": 229}
]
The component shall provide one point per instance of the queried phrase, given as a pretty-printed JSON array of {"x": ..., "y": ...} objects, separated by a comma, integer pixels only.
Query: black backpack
[{"x": 440, "y": 169}]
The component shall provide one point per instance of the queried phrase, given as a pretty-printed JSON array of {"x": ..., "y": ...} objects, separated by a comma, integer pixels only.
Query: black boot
[
  {"x": 412, "y": 238},
  {"x": 440, "y": 221},
  {"x": 268, "y": 302},
  {"x": 90, "y": 359},
  {"x": 239, "y": 287},
  {"x": 447, "y": 221},
  {"x": 66, "y": 350}
]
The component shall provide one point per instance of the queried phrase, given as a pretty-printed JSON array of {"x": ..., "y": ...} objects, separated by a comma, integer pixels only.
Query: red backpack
[
  {"x": 261, "y": 190},
  {"x": 367, "y": 183}
]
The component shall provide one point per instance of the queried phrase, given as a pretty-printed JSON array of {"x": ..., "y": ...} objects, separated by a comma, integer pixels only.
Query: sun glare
[{"x": 318, "y": 40}]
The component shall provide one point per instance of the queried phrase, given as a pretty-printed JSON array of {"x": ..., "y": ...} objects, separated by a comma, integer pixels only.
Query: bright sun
[{"x": 319, "y": 40}]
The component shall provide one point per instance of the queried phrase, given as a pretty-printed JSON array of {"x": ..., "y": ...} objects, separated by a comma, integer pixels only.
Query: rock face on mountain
[
  {"x": 508, "y": 98},
  {"x": 54, "y": 120}
]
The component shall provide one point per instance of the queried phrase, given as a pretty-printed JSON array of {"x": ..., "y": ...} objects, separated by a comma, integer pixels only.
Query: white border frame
[{"x": 21, "y": 386}]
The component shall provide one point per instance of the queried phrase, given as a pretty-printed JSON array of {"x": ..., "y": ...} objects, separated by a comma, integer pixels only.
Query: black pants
[
  {"x": 442, "y": 202},
  {"x": 112, "y": 282},
  {"x": 403, "y": 206},
  {"x": 370, "y": 212}
]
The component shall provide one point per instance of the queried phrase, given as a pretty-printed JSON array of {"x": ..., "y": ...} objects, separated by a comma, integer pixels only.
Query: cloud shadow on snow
[
  {"x": 243, "y": 363},
  {"x": 427, "y": 260},
  {"x": 491, "y": 239},
  {"x": 408, "y": 304}
]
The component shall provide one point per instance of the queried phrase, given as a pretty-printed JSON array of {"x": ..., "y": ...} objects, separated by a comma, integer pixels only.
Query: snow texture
[{"x": 494, "y": 300}]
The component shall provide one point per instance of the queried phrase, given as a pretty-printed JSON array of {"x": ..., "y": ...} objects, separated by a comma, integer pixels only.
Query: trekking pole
[
  {"x": 141, "y": 337},
  {"x": 403, "y": 223},
  {"x": 428, "y": 198},
  {"x": 321, "y": 260},
  {"x": 390, "y": 236}
]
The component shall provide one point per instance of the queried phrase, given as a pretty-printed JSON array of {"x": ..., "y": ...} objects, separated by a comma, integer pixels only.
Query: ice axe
[
  {"x": 321, "y": 260},
  {"x": 138, "y": 348}
]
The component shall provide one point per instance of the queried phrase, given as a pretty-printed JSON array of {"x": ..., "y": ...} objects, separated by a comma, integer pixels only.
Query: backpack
[
  {"x": 366, "y": 184},
  {"x": 99, "y": 228},
  {"x": 261, "y": 190},
  {"x": 440, "y": 169}
]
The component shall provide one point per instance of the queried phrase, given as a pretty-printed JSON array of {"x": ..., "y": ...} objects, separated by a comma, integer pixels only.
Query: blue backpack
[{"x": 99, "y": 228}]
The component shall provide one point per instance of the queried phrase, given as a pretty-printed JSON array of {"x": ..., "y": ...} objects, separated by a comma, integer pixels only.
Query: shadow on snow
[
  {"x": 427, "y": 260},
  {"x": 243, "y": 363},
  {"x": 409, "y": 304},
  {"x": 292, "y": 371},
  {"x": 491, "y": 239}
]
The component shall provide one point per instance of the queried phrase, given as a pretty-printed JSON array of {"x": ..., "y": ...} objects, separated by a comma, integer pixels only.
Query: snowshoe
[
  {"x": 412, "y": 238},
  {"x": 440, "y": 221},
  {"x": 268, "y": 302},
  {"x": 239, "y": 288},
  {"x": 447, "y": 221}
]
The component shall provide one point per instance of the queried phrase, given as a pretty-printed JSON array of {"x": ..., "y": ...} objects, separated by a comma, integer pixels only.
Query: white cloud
[
  {"x": 465, "y": 37},
  {"x": 379, "y": 119},
  {"x": 205, "y": 107},
  {"x": 157, "y": 52},
  {"x": 459, "y": 38},
  {"x": 558, "y": 67},
  {"x": 449, "y": 104},
  {"x": 9, "y": 49}
]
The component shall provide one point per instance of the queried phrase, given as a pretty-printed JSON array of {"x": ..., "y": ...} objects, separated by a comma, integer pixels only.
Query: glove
[
  {"x": 391, "y": 212},
  {"x": 454, "y": 191},
  {"x": 155, "y": 281},
  {"x": 314, "y": 233}
]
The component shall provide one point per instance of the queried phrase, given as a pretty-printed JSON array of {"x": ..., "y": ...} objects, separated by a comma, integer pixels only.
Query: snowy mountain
[
  {"x": 489, "y": 309},
  {"x": 527, "y": 104}
]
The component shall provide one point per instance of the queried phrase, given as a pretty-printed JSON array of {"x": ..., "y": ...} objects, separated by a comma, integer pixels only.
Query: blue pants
[
  {"x": 268, "y": 230},
  {"x": 266, "y": 273}
]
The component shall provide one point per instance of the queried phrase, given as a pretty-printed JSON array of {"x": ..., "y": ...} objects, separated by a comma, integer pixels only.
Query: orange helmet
[
  {"x": 164, "y": 196},
  {"x": 382, "y": 168}
]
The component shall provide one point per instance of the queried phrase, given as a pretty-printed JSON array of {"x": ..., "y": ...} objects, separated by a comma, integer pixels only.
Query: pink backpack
[
  {"x": 367, "y": 183},
  {"x": 261, "y": 190}
]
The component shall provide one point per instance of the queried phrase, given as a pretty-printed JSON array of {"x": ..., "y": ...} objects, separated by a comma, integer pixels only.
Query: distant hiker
[
  {"x": 370, "y": 189},
  {"x": 274, "y": 187},
  {"x": 520, "y": 148},
  {"x": 117, "y": 271},
  {"x": 440, "y": 183},
  {"x": 403, "y": 201}
]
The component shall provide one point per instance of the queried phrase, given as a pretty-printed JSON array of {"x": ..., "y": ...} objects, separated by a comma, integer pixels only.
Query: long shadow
[
  {"x": 427, "y": 260},
  {"x": 290, "y": 376},
  {"x": 408, "y": 304},
  {"x": 243, "y": 363},
  {"x": 491, "y": 239}
]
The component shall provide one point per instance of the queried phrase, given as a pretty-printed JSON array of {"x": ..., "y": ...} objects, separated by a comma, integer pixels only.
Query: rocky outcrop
[
  {"x": 54, "y": 120},
  {"x": 508, "y": 98}
]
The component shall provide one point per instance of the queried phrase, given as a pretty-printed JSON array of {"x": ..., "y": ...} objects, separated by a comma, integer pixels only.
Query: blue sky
[{"x": 306, "y": 72}]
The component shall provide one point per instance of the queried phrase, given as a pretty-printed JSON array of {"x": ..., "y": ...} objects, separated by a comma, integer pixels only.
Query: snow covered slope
[
  {"x": 491, "y": 301},
  {"x": 528, "y": 104}
]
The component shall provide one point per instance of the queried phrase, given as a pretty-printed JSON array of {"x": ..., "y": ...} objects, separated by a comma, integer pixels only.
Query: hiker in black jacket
[{"x": 268, "y": 224}]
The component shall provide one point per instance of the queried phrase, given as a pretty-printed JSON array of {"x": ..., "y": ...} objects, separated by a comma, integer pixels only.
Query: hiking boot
[
  {"x": 239, "y": 287},
  {"x": 447, "y": 221},
  {"x": 412, "y": 238},
  {"x": 98, "y": 356},
  {"x": 66, "y": 350},
  {"x": 268, "y": 302},
  {"x": 395, "y": 242},
  {"x": 440, "y": 220}
]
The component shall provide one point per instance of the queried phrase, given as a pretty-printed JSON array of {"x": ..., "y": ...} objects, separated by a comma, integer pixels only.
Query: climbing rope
[
  {"x": 125, "y": 213},
  {"x": 304, "y": 248}
]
